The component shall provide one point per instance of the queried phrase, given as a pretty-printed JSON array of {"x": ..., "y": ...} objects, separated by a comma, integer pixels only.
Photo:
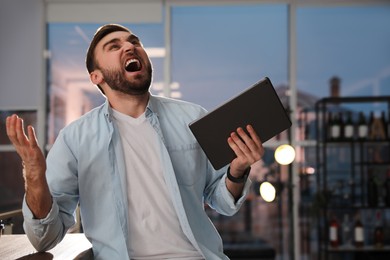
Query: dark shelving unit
[{"x": 344, "y": 167}]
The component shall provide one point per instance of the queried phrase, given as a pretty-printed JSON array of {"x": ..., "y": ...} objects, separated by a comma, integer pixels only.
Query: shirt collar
[{"x": 150, "y": 108}]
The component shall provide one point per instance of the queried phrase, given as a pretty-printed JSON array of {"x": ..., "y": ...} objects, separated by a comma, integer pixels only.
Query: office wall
[{"x": 21, "y": 53}]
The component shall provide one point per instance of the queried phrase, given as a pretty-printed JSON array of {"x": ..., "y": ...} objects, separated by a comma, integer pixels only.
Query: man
[{"x": 133, "y": 165}]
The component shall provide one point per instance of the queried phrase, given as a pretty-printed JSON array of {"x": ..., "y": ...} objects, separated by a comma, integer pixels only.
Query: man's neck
[{"x": 131, "y": 105}]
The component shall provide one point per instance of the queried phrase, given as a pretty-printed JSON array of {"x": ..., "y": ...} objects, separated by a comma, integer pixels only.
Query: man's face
[{"x": 124, "y": 64}]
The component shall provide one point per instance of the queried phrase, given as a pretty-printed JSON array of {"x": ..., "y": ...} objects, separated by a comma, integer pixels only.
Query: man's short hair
[{"x": 101, "y": 32}]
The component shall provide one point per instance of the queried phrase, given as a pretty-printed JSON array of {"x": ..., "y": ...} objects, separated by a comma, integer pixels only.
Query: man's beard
[{"x": 117, "y": 81}]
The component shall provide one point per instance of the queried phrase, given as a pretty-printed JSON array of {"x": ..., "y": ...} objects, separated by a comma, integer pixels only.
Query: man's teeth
[
  {"x": 130, "y": 61},
  {"x": 132, "y": 65}
]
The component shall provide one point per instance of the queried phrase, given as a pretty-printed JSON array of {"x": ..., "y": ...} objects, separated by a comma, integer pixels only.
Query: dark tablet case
[{"x": 258, "y": 106}]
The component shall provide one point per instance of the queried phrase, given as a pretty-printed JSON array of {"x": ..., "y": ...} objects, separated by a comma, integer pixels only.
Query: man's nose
[{"x": 128, "y": 46}]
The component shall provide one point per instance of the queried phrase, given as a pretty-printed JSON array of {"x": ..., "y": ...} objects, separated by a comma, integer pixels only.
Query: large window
[
  {"x": 218, "y": 51},
  {"x": 341, "y": 51}
]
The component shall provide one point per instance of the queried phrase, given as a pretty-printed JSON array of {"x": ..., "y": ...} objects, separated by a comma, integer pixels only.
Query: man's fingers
[
  {"x": 32, "y": 137},
  {"x": 20, "y": 134},
  {"x": 256, "y": 144},
  {"x": 233, "y": 145},
  {"x": 245, "y": 142},
  {"x": 247, "y": 146},
  {"x": 8, "y": 126},
  {"x": 23, "y": 142},
  {"x": 254, "y": 135},
  {"x": 11, "y": 129}
]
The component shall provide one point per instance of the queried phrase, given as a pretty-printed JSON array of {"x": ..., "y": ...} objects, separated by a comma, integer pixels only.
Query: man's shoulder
[
  {"x": 176, "y": 103},
  {"x": 89, "y": 119}
]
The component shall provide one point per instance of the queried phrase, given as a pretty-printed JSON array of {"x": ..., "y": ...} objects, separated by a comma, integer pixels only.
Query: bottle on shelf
[
  {"x": 334, "y": 232},
  {"x": 328, "y": 125},
  {"x": 346, "y": 231},
  {"x": 377, "y": 130},
  {"x": 388, "y": 125},
  {"x": 372, "y": 189},
  {"x": 387, "y": 188},
  {"x": 362, "y": 130},
  {"x": 349, "y": 128},
  {"x": 370, "y": 126},
  {"x": 358, "y": 232},
  {"x": 378, "y": 231},
  {"x": 336, "y": 127},
  {"x": 384, "y": 124}
]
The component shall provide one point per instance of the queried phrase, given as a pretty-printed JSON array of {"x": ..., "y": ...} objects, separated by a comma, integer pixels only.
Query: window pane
[
  {"x": 341, "y": 51},
  {"x": 218, "y": 51}
]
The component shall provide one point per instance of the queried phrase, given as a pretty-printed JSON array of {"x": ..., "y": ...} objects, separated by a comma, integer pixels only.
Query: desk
[{"x": 73, "y": 246}]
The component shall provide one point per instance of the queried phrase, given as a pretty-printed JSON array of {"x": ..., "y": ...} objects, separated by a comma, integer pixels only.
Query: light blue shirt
[{"x": 86, "y": 166}]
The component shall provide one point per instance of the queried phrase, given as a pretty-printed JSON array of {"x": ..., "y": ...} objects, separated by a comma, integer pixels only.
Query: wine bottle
[
  {"x": 336, "y": 125},
  {"x": 378, "y": 231},
  {"x": 372, "y": 190},
  {"x": 346, "y": 229},
  {"x": 388, "y": 125},
  {"x": 334, "y": 230},
  {"x": 349, "y": 130},
  {"x": 377, "y": 130},
  {"x": 387, "y": 188},
  {"x": 358, "y": 232},
  {"x": 362, "y": 127},
  {"x": 328, "y": 127},
  {"x": 384, "y": 125},
  {"x": 370, "y": 125}
]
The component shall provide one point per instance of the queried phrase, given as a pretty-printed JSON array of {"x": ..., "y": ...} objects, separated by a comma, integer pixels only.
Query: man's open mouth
[{"x": 132, "y": 65}]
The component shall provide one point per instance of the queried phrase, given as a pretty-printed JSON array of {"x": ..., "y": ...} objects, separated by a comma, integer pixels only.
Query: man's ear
[{"x": 96, "y": 77}]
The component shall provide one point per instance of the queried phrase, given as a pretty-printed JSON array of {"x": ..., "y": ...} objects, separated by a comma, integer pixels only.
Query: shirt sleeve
[
  {"x": 234, "y": 204},
  {"x": 218, "y": 196},
  {"x": 43, "y": 233},
  {"x": 46, "y": 233}
]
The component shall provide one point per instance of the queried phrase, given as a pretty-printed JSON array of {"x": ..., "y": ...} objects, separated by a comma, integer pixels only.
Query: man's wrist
[{"x": 241, "y": 179}]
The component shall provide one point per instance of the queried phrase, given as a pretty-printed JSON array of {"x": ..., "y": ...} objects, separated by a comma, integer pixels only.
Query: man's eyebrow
[
  {"x": 132, "y": 37},
  {"x": 110, "y": 41},
  {"x": 129, "y": 38}
]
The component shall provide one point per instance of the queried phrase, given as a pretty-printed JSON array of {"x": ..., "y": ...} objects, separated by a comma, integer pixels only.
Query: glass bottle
[
  {"x": 372, "y": 190},
  {"x": 378, "y": 231},
  {"x": 362, "y": 126},
  {"x": 328, "y": 127},
  {"x": 349, "y": 129},
  {"x": 387, "y": 188},
  {"x": 384, "y": 124},
  {"x": 358, "y": 232},
  {"x": 388, "y": 125},
  {"x": 346, "y": 229},
  {"x": 371, "y": 132},
  {"x": 336, "y": 125},
  {"x": 334, "y": 230}
]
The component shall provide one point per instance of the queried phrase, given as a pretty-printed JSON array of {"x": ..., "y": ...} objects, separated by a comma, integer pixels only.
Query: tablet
[{"x": 258, "y": 106}]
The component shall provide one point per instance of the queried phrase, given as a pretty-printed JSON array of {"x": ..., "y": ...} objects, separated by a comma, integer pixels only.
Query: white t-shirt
[{"x": 154, "y": 229}]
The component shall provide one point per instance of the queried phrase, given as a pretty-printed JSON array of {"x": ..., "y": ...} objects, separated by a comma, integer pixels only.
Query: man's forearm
[{"x": 38, "y": 197}]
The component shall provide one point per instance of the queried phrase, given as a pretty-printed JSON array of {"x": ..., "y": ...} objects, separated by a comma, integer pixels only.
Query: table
[{"x": 73, "y": 246}]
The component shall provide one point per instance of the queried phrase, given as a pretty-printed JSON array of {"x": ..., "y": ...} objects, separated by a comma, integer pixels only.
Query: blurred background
[{"x": 318, "y": 54}]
